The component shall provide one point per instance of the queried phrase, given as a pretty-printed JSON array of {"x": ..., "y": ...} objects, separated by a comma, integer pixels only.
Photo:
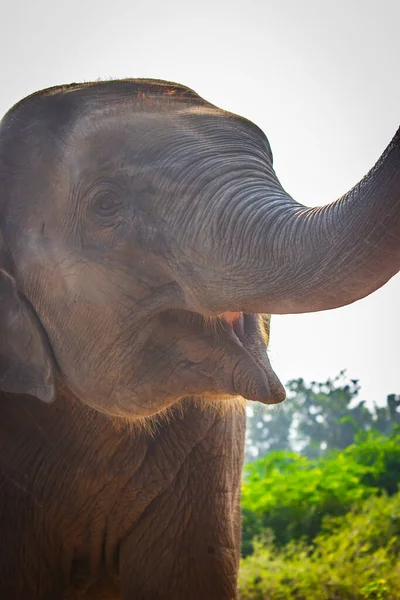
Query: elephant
[{"x": 145, "y": 240}]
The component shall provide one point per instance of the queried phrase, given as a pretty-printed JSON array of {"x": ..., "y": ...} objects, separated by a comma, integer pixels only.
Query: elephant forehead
[
  {"x": 105, "y": 130},
  {"x": 145, "y": 117},
  {"x": 96, "y": 125}
]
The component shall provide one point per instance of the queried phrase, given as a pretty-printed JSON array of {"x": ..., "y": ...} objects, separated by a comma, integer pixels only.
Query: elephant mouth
[
  {"x": 243, "y": 326},
  {"x": 254, "y": 379},
  {"x": 236, "y": 321},
  {"x": 223, "y": 356}
]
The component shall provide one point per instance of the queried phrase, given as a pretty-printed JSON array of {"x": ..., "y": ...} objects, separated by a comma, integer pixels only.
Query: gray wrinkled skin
[
  {"x": 144, "y": 236},
  {"x": 91, "y": 508}
]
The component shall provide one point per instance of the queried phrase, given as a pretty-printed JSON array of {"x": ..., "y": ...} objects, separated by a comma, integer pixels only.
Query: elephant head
[{"x": 144, "y": 237}]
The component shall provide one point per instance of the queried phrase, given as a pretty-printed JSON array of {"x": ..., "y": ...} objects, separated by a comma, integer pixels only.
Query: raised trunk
[{"x": 296, "y": 259}]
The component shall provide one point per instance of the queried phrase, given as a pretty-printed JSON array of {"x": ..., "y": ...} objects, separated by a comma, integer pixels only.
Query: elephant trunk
[{"x": 293, "y": 259}]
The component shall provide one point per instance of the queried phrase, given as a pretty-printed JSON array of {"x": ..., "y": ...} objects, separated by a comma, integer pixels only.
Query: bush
[
  {"x": 291, "y": 495},
  {"x": 382, "y": 455},
  {"x": 354, "y": 557}
]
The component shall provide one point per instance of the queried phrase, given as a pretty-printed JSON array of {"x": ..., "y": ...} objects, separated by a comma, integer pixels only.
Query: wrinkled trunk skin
[
  {"x": 94, "y": 509},
  {"x": 287, "y": 258}
]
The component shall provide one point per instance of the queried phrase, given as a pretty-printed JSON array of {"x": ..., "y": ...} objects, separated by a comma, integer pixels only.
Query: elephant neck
[{"x": 69, "y": 437}]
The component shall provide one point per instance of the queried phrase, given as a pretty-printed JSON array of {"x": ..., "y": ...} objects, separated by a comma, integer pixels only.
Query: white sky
[{"x": 321, "y": 78}]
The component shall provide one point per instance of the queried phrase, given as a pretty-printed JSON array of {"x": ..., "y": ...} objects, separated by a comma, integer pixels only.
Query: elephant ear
[{"x": 26, "y": 364}]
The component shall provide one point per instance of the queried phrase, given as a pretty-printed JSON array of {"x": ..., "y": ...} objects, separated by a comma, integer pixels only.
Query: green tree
[
  {"x": 326, "y": 416},
  {"x": 393, "y": 402},
  {"x": 268, "y": 429},
  {"x": 317, "y": 418}
]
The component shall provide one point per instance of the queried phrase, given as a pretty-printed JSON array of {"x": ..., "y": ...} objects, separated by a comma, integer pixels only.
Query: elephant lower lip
[
  {"x": 254, "y": 379},
  {"x": 239, "y": 341}
]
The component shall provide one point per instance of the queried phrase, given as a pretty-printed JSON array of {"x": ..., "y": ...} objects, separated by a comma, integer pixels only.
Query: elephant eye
[{"x": 106, "y": 204}]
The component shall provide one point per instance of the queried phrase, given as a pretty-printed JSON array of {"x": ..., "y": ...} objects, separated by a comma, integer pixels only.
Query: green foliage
[
  {"x": 322, "y": 522},
  {"x": 382, "y": 455},
  {"x": 291, "y": 494},
  {"x": 354, "y": 557}
]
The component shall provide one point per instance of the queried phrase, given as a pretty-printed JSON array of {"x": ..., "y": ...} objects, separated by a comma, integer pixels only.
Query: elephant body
[
  {"x": 93, "y": 507},
  {"x": 145, "y": 240}
]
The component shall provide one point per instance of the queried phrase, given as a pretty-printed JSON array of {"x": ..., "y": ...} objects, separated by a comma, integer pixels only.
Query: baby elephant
[{"x": 144, "y": 241}]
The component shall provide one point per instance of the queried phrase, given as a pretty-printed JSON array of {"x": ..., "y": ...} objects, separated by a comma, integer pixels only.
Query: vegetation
[
  {"x": 291, "y": 494},
  {"x": 321, "y": 507},
  {"x": 355, "y": 556}
]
